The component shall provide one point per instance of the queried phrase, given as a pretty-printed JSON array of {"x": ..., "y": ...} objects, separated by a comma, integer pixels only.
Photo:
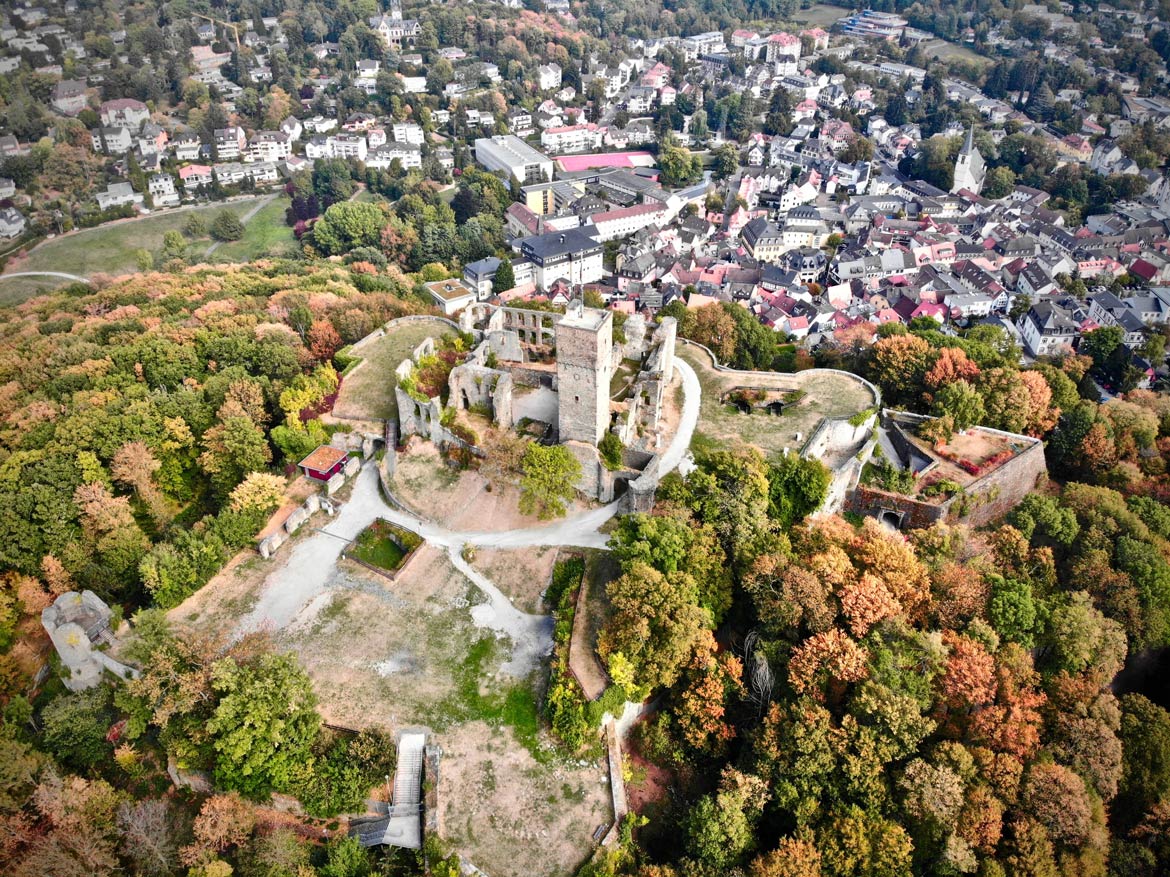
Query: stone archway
[{"x": 891, "y": 518}]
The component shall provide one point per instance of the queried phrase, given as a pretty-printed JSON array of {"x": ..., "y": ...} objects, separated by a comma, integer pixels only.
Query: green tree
[
  {"x": 678, "y": 166},
  {"x": 348, "y": 225},
  {"x": 75, "y": 727},
  {"x": 227, "y": 227},
  {"x": 174, "y": 247},
  {"x": 504, "y": 278},
  {"x": 726, "y": 161},
  {"x": 1012, "y": 611},
  {"x": 655, "y": 622},
  {"x": 548, "y": 479},
  {"x": 796, "y": 488},
  {"x": 999, "y": 183},
  {"x": 264, "y": 725},
  {"x": 1145, "y": 739},
  {"x": 961, "y": 402}
]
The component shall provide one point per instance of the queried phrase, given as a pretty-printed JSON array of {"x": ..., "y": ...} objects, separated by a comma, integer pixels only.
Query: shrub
[{"x": 610, "y": 449}]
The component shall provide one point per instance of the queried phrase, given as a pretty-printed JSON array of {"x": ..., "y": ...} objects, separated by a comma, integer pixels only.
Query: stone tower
[
  {"x": 584, "y": 371},
  {"x": 969, "y": 168}
]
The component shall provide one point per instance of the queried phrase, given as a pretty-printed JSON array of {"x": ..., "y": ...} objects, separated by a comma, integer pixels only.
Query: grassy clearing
[
  {"x": 384, "y": 545},
  {"x": 265, "y": 235},
  {"x": 17, "y": 289},
  {"x": 111, "y": 248},
  {"x": 819, "y": 15},
  {"x": 367, "y": 393},
  {"x": 944, "y": 51},
  {"x": 827, "y": 395}
]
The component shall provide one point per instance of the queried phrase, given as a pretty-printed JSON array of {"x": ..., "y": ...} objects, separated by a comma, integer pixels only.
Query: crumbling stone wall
[{"x": 472, "y": 385}]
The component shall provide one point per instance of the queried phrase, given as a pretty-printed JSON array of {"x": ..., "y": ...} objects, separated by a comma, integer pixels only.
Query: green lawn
[
  {"x": 827, "y": 395},
  {"x": 265, "y": 235},
  {"x": 383, "y": 545},
  {"x": 941, "y": 49},
  {"x": 819, "y": 15},
  {"x": 112, "y": 248},
  {"x": 367, "y": 392}
]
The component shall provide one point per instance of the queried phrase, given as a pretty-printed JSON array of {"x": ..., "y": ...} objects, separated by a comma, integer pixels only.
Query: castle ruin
[{"x": 575, "y": 356}]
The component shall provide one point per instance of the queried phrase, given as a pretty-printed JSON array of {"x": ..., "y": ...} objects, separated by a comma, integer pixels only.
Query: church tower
[{"x": 969, "y": 168}]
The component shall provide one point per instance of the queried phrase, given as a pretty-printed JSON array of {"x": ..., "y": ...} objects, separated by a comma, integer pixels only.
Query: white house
[
  {"x": 162, "y": 190},
  {"x": 116, "y": 195},
  {"x": 124, "y": 111},
  {"x": 408, "y": 132},
  {"x": 270, "y": 146},
  {"x": 11, "y": 223},
  {"x": 549, "y": 76}
]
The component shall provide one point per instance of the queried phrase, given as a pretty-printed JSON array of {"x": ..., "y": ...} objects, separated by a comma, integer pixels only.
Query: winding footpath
[{"x": 303, "y": 574}]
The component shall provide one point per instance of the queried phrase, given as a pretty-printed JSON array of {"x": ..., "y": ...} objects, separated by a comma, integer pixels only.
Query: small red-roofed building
[{"x": 324, "y": 463}]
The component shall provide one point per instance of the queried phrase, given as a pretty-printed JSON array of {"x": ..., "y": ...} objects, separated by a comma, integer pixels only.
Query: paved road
[
  {"x": 303, "y": 574},
  {"x": 72, "y": 277}
]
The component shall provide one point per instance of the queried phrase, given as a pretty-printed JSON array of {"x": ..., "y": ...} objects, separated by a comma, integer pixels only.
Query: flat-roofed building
[{"x": 512, "y": 156}]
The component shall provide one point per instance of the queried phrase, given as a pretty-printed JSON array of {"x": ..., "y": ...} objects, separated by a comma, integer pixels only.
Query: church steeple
[
  {"x": 969, "y": 168},
  {"x": 970, "y": 142}
]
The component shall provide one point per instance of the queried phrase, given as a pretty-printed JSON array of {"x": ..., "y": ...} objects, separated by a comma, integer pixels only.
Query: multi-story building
[
  {"x": 69, "y": 97},
  {"x": 126, "y": 112},
  {"x": 572, "y": 138},
  {"x": 162, "y": 190},
  {"x": 408, "y": 132},
  {"x": 570, "y": 255},
  {"x": 229, "y": 142},
  {"x": 269, "y": 146},
  {"x": 1048, "y": 327},
  {"x": 513, "y": 157},
  {"x": 115, "y": 140},
  {"x": 381, "y": 157}
]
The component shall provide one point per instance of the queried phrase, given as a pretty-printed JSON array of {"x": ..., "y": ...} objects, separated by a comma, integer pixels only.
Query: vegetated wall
[
  {"x": 1002, "y": 489},
  {"x": 477, "y": 385},
  {"x": 983, "y": 500}
]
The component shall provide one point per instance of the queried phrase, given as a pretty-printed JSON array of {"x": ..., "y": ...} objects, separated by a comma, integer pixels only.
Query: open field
[
  {"x": 265, "y": 235},
  {"x": 819, "y": 15},
  {"x": 408, "y": 654},
  {"x": 945, "y": 51},
  {"x": 112, "y": 248},
  {"x": 828, "y": 395},
  {"x": 367, "y": 392}
]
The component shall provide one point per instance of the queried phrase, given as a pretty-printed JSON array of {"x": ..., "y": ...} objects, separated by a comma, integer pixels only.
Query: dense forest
[{"x": 848, "y": 702}]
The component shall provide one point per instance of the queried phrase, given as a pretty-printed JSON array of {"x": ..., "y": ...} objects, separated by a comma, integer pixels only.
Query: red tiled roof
[{"x": 323, "y": 459}]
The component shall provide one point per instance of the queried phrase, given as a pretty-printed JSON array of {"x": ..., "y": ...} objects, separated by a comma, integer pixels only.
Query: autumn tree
[
  {"x": 259, "y": 491},
  {"x": 829, "y": 656},
  {"x": 135, "y": 465},
  {"x": 224, "y": 822},
  {"x": 714, "y": 328},
  {"x": 654, "y": 627},
  {"x": 898, "y": 365},
  {"x": 708, "y": 682}
]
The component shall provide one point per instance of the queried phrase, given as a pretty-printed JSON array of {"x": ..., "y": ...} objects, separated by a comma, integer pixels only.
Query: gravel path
[{"x": 304, "y": 572}]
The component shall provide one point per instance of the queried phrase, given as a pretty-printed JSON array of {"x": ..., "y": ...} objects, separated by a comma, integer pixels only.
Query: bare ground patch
[
  {"x": 521, "y": 573},
  {"x": 460, "y": 500},
  {"x": 511, "y": 815}
]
